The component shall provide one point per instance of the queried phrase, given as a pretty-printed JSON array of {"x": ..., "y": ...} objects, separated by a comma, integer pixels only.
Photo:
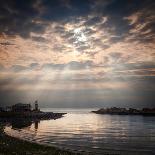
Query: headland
[{"x": 124, "y": 111}]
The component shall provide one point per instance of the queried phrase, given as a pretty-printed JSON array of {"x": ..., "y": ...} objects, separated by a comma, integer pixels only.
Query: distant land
[{"x": 124, "y": 111}]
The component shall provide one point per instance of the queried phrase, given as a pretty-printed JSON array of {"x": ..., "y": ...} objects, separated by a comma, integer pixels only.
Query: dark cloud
[
  {"x": 93, "y": 21},
  {"x": 18, "y": 68},
  {"x": 142, "y": 67},
  {"x": 115, "y": 55},
  {"x": 6, "y": 81},
  {"x": 34, "y": 65},
  {"x": 56, "y": 11},
  {"x": 134, "y": 66},
  {"x": 116, "y": 10},
  {"x": 6, "y": 43},
  {"x": 79, "y": 65},
  {"x": 84, "y": 98},
  {"x": 53, "y": 66},
  {"x": 19, "y": 17},
  {"x": 1, "y": 67},
  {"x": 73, "y": 65},
  {"x": 39, "y": 39},
  {"x": 82, "y": 48}
]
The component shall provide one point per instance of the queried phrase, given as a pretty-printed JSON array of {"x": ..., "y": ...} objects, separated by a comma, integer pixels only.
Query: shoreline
[
  {"x": 14, "y": 146},
  {"x": 124, "y": 111}
]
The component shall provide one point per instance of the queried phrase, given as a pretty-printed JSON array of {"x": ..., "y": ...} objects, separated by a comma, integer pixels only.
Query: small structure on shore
[
  {"x": 1, "y": 109},
  {"x": 21, "y": 110},
  {"x": 20, "y": 107}
]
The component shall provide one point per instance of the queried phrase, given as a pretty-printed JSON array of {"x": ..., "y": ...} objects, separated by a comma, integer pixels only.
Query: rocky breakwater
[{"x": 31, "y": 115}]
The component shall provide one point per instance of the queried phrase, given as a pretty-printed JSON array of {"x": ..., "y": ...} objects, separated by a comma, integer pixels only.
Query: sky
[{"x": 77, "y": 53}]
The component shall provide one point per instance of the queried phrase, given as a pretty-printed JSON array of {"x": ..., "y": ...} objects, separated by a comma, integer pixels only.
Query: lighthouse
[{"x": 36, "y": 106}]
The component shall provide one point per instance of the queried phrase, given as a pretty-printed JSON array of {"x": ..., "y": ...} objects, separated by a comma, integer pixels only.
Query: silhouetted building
[
  {"x": 1, "y": 109},
  {"x": 5, "y": 109},
  {"x": 8, "y": 108},
  {"x": 20, "y": 107}
]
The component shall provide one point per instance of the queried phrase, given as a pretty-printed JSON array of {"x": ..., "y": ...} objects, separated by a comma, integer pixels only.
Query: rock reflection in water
[{"x": 24, "y": 123}]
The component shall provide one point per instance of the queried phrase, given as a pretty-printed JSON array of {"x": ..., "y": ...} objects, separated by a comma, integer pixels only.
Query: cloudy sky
[{"x": 77, "y": 53}]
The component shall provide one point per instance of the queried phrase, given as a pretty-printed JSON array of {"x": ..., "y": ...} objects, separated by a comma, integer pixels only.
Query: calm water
[{"x": 87, "y": 132}]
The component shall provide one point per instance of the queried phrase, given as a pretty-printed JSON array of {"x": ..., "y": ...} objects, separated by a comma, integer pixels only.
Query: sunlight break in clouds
[{"x": 92, "y": 50}]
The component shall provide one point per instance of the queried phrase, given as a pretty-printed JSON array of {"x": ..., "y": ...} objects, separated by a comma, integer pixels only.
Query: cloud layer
[{"x": 93, "y": 50}]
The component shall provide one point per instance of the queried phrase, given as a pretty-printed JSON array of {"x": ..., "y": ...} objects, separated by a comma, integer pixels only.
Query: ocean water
[{"x": 82, "y": 131}]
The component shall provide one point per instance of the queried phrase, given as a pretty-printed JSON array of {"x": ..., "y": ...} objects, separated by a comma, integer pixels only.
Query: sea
[{"x": 82, "y": 131}]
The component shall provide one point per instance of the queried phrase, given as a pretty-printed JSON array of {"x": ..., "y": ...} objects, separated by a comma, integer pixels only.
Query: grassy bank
[{"x": 14, "y": 146}]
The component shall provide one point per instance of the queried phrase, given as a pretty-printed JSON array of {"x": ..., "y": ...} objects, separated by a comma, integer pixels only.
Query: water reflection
[
  {"x": 36, "y": 123},
  {"x": 21, "y": 123},
  {"x": 94, "y": 133}
]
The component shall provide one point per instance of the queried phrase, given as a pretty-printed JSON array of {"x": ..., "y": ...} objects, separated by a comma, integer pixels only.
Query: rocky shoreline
[
  {"x": 33, "y": 115},
  {"x": 14, "y": 146},
  {"x": 124, "y": 111}
]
